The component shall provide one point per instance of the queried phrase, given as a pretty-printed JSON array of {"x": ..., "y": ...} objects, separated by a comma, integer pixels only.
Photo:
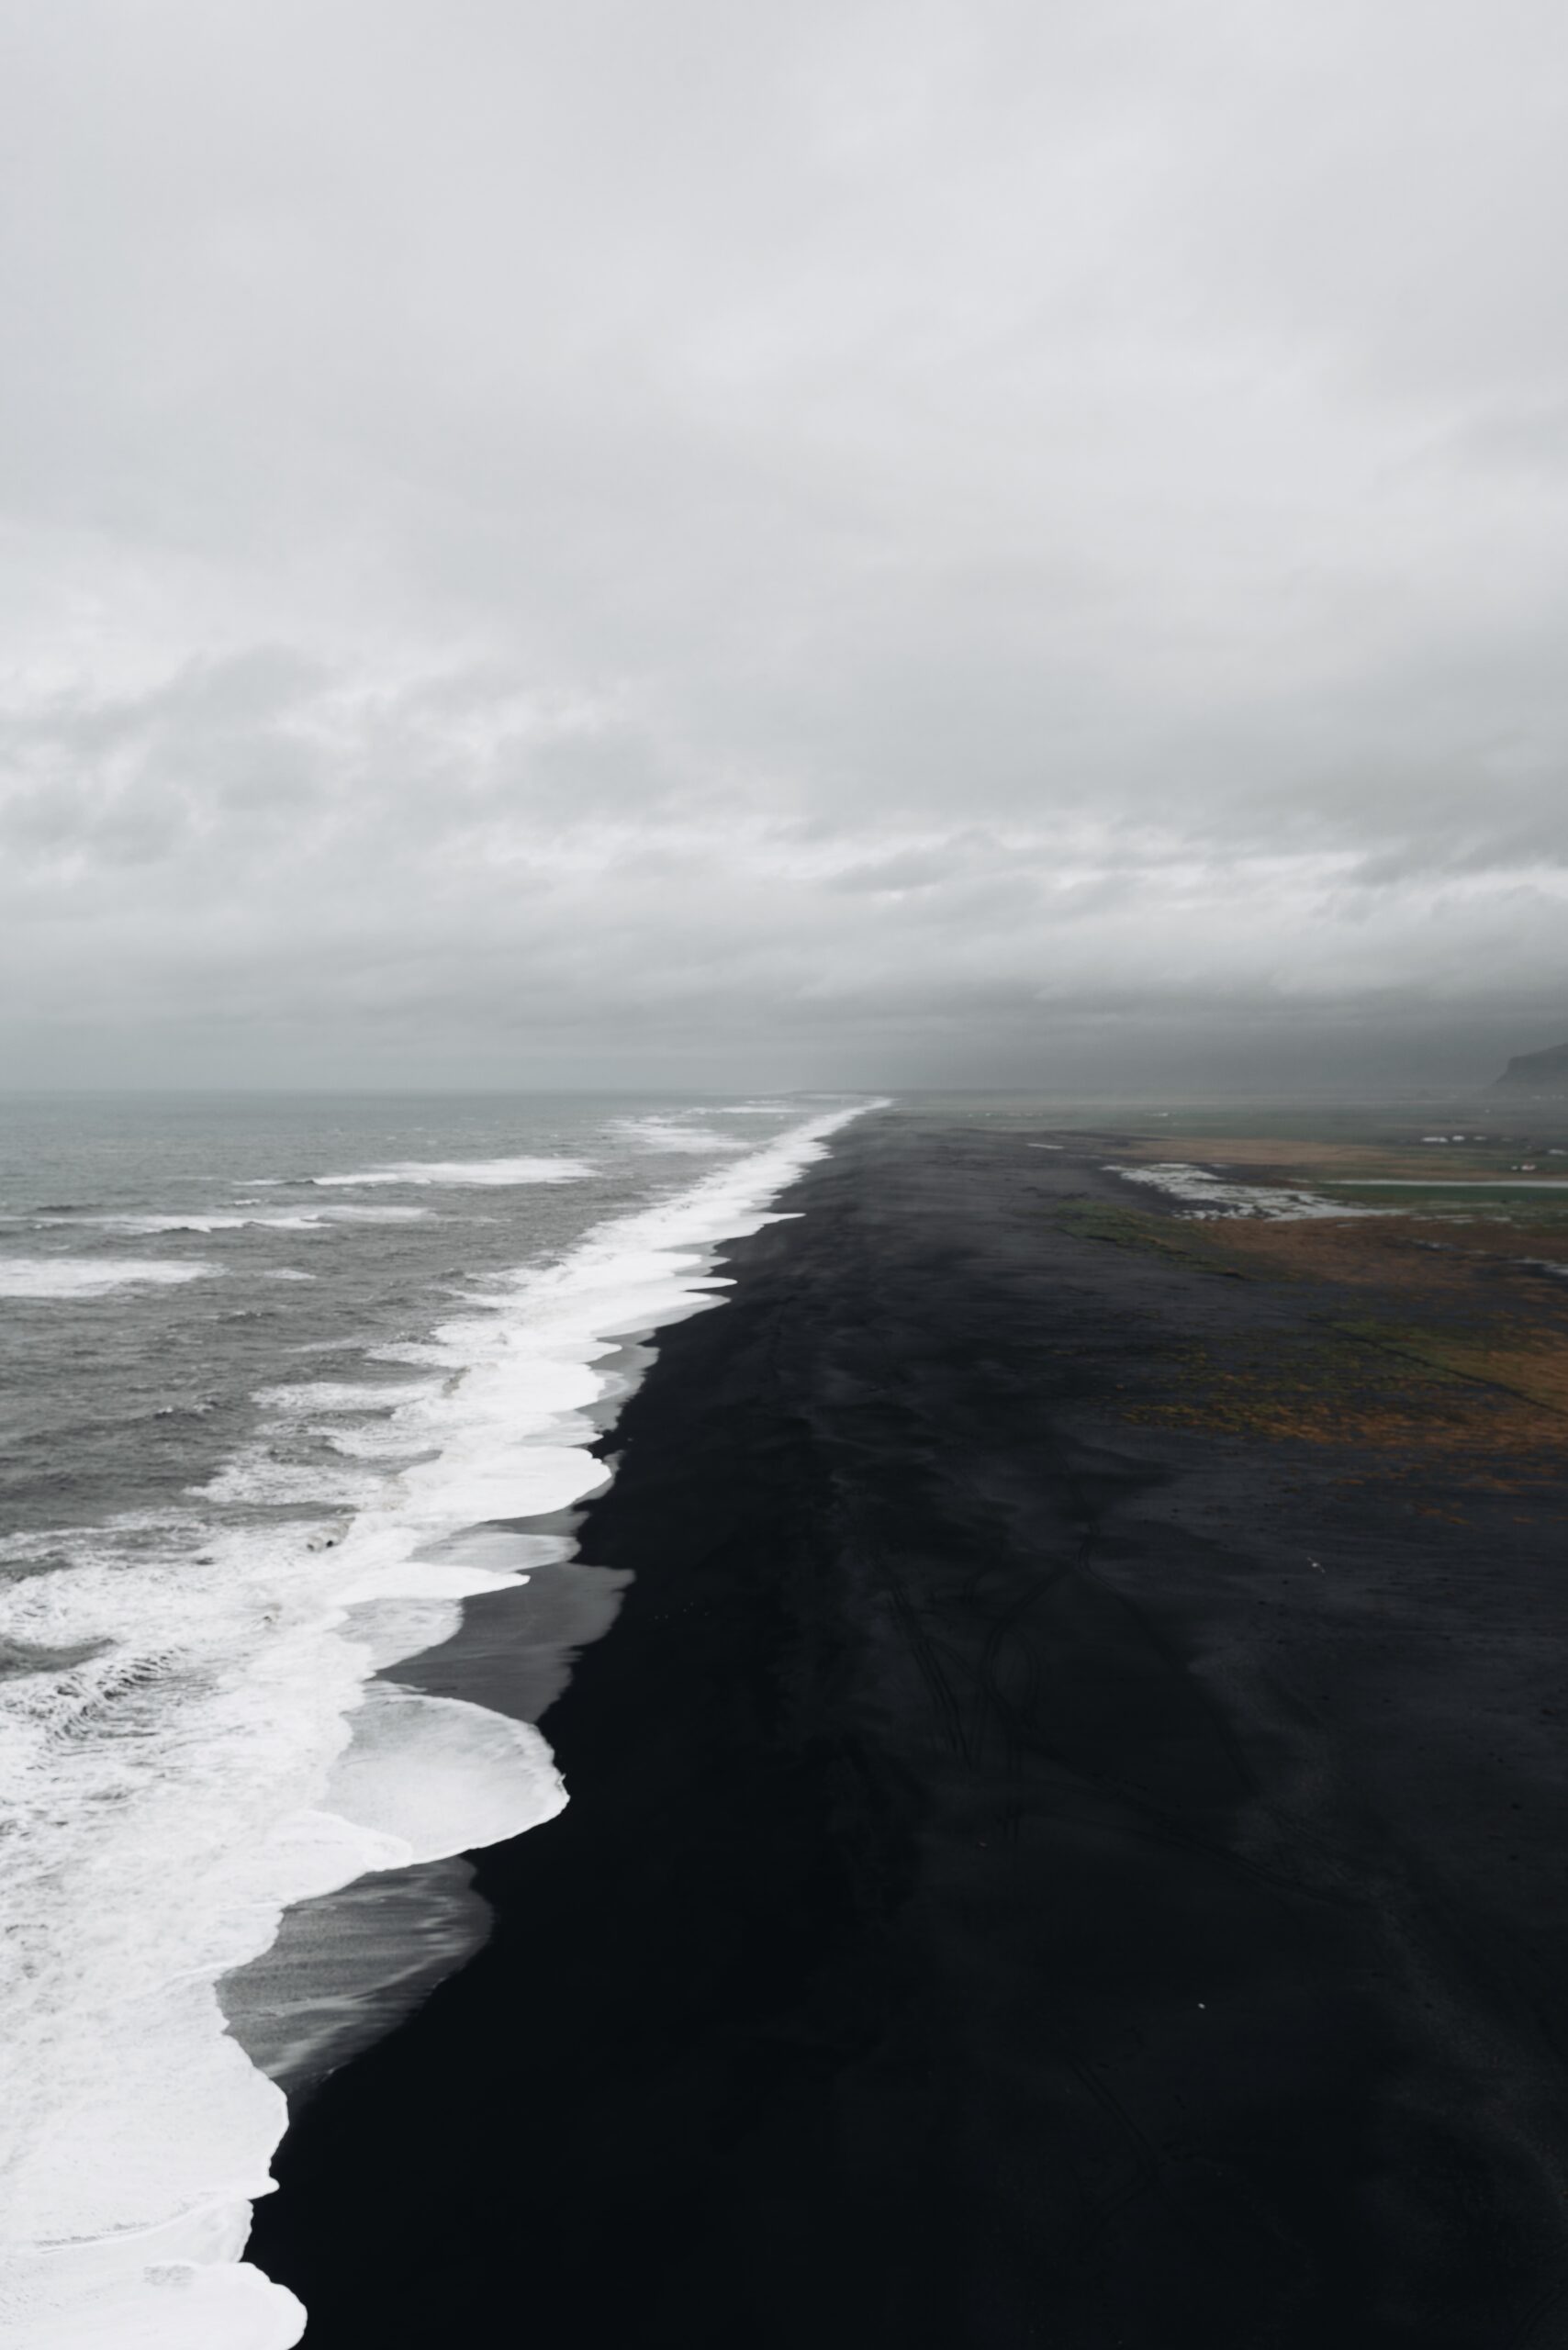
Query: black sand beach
[{"x": 1035, "y": 1874}]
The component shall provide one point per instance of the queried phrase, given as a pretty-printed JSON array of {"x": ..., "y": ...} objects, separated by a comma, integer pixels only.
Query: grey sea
[{"x": 286, "y": 1381}]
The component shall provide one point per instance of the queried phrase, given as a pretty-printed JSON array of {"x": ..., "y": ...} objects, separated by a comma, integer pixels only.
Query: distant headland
[{"x": 1544, "y": 1072}]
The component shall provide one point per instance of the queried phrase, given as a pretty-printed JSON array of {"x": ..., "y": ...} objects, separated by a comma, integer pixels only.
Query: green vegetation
[
  {"x": 1135, "y": 1228},
  {"x": 1529, "y": 1364}
]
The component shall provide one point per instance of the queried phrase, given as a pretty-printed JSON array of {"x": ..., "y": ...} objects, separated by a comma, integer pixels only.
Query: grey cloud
[{"x": 835, "y": 539}]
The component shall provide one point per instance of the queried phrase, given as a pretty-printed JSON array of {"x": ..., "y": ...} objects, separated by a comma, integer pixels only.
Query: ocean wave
[
  {"x": 254, "y": 1479},
  {"x": 318, "y": 1218},
  {"x": 383, "y": 1214},
  {"x": 219, "y": 1220},
  {"x": 677, "y": 1134},
  {"x": 487, "y": 1172},
  {"x": 89, "y": 1277},
  {"x": 215, "y": 1752},
  {"x": 304, "y": 1399}
]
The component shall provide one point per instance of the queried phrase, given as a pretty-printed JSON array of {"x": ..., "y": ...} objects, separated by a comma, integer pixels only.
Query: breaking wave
[
  {"x": 87, "y": 1277},
  {"x": 191, "y": 1743},
  {"x": 493, "y": 1173}
]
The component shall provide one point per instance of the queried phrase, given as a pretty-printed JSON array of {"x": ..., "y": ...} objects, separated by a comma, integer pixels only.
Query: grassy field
[{"x": 1430, "y": 1337}]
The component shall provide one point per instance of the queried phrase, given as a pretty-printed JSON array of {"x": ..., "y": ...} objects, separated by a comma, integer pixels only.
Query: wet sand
[{"x": 1034, "y": 1875}]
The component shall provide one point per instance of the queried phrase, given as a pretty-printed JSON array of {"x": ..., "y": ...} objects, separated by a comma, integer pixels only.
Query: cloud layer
[{"x": 851, "y": 543}]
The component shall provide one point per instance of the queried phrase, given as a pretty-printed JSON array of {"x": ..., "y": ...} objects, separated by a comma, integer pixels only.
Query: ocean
[{"x": 286, "y": 1379}]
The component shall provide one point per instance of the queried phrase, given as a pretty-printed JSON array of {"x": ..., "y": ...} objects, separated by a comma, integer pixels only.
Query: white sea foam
[
  {"x": 87, "y": 1277},
  {"x": 385, "y": 1213},
  {"x": 381, "y": 1440},
  {"x": 307, "y": 1397},
  {"x": 214, "y": 1754},
  {"x": 311, "y": 1219},
  {"x": 254, "y": 1479},
  {"x": 677, "y": 1135},
  {"x": 489, "y": 1172},
  {"x": 1208, "y": 1195},
  {"x": 195, "y": 1221}
]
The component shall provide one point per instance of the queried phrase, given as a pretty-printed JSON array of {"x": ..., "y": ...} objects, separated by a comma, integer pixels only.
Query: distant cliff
[{"x": 1537, "y": 1072}]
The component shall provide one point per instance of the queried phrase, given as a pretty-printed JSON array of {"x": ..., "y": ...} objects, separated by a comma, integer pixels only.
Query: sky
[{"x": 648, "y": 543}]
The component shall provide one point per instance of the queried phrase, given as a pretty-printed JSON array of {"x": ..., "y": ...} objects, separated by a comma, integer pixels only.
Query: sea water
[{"x": 281, "y": 1377}]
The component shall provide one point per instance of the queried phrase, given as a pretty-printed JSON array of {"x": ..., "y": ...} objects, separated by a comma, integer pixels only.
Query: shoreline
[
  {"x": 284, "y": 1883},
  {"x": 1029, "y": 1875}
]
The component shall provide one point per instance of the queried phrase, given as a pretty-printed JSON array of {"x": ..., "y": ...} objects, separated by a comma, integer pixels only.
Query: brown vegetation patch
[
  {"x": 1179, "y": 1240},
  {"x": 1430, "y": 1255},
  {"x": 1435, "y": 1350},
  {"x": 1528, "y": 1363},
  {"x": 1288, "y": 1154},
  {"x": 1489, "y": 1409}
]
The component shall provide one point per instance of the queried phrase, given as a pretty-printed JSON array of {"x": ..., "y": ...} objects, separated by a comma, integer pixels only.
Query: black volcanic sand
[{"x": 1029, "y": 1879}]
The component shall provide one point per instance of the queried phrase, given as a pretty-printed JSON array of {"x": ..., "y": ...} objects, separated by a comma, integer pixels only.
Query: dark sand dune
[{"x": 1030, "y": 1878}]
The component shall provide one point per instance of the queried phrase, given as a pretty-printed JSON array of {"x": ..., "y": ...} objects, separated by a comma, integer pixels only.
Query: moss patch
[
  {"x": 1161, "y": 1235},
  {"x": 1530, "y": 1365},
  {"x": 1477, "y": 1410}
]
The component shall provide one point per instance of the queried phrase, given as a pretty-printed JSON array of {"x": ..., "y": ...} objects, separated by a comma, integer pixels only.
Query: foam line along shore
[
  {"x": 1067, "y": 1832},
  {"x": 194, "y": 1746}
]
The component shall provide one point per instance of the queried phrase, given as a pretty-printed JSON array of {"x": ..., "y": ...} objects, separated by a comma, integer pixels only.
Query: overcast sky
[{"x": 637, "y": 541}]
